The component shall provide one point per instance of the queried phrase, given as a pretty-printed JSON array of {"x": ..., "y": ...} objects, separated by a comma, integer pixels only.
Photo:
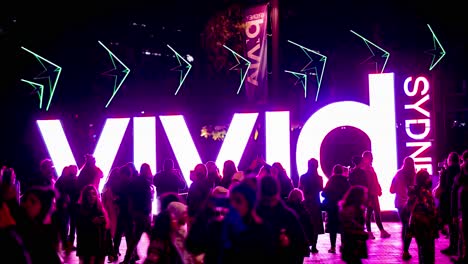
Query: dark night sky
[{"x": 68, "y": 35}]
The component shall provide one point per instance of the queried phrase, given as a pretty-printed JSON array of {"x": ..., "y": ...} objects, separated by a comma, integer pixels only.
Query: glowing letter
[
  {"x": 423, "y": 146},
  {"x": 56, "y": 143},
  {"x": 236, "y": 138},
  {"x": 144, "y": 141},
  {"x": 416, "y": 85},
  {"x": 256, "y": 23},
  {"x": 277, "y": 139},
  {"x": 418, "y": 136},
  {"x": 417, "y": 105},
  {"x": 377, "y": 120},
  {"x": 108, "y": 144},
  {"x": 144, "y": 146},
  {"x": 182, "y": 144}
]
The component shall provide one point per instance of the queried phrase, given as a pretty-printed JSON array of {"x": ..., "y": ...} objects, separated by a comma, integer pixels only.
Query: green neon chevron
[
  {"x": 37, "y": 87},
  {"x": 323, "y": 59},
  {"x": 436, "y": 46},
  {"x": 243, "y": 74},
  {"x": 52, "y": 87},
  {"x": 368, "y": 43},
  {"x": 182, "y": 75},
  {"x": 126, "y": 70},
  {"x": 302, "y": 77}
]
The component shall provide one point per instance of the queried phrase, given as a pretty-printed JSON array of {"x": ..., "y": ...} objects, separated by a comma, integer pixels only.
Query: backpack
[{"x": 422, "y": 220}]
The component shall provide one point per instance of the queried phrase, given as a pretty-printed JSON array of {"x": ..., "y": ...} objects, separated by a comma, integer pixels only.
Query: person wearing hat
[
  {"x": 245, "y": 234},
  {"x": 220, "y": 191},
  {"x": 205, "y": 236}
]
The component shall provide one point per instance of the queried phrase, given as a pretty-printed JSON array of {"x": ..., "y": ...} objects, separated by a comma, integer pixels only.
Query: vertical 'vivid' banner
[{"x": 255, "y": 20}]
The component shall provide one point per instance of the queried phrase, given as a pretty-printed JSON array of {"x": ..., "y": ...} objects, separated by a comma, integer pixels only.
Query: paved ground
[{"x": 386, "y": 251}]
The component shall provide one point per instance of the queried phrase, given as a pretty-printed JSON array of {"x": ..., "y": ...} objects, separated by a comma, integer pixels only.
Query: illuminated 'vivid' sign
[{"x": 377, "y": 120}]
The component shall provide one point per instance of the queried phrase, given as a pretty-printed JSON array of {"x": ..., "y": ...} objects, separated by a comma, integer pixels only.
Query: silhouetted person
[
  {"x": 9, "y": 189},
  {"x": 35, "y": 227},
  {"x": 401, "y": 184},
  {"x": 124, "y": 221},
  {"x": 285, "y": 182},
  {"x": 214, "y": 178},
  {"x": 374, "y": 191},
  {"x": 229, "y": 169},
  {"x": 357, "y": 175},
  {"x": 254, "y": 168},
  {"x": 46, "y": 176},
  {"x": 66, "y": 205},
  {"x": 311, "y": 185},
  {"x": 449, "y": 217},
  {"x": 161, "y": 248},
  {"x": 249, "y": 237},
  {"x": 12, "y": 248},
  {"x": 333, "y": 192},
  {"x": 93, "y": 237},
  {"x": 206, "y": 233},
  {"x": 199, "y": 190},
  {"x": 140, "y": 200},
  {"x": 168, "y": 180},
  {"x": 463, "y": 209},
  {"x": 285, "y": 230},
  {"x": 110, "y": 203},
  {"x": 423, "y": 218},
  {"x": 92, "y": 229},
  {"x": 145, "y": 172},
  {"x": 90, "y": 174},
  {"x": 353, "y": 237},
  {"x": 166, "y": 199},
  {"x": 296, "y": 202}
]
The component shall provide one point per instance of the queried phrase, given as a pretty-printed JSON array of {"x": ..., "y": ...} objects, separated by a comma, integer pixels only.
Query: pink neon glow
[
  {"x": 144, "y": 141},
  {"x": 278, "y": 149},
  {"x": 108, "y": 145},
  {"x": 376, "y": 120},
  {"x": 56, "y": 143},
  {"x": 236, "y": 138},
  {"x": 182, "y": 144}
]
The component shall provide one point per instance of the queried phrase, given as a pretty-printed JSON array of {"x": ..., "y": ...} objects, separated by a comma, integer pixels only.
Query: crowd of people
[{"x": 225, "y": 216}]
